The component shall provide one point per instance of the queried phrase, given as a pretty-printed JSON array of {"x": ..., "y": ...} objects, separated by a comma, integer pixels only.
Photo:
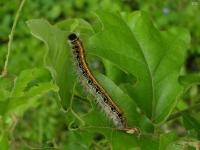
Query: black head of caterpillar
[{"x": 72, "y": 37}]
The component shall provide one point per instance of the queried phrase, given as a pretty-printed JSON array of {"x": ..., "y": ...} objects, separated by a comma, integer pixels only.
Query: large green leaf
[
  {"x": 153, "y": 57},
  {"x": 28, "y": 87},
  {"x": 58, "y": 58}
]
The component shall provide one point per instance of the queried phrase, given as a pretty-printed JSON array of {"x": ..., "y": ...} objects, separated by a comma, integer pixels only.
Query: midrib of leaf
[
  {"x": 152, "y": 73},
  {"x": 129, "y": 57}
]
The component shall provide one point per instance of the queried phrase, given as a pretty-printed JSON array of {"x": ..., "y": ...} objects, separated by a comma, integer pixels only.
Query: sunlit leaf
[
  {"x": 153, "y": 57},
  {"x": 58, "y": 58}
]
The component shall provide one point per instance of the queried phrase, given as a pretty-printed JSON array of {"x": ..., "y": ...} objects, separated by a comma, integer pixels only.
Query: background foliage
[{"x": 34, "y": 113}]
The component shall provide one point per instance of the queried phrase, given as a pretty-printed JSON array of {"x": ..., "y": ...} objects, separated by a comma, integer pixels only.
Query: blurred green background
[{"x": 35, "y": 129}]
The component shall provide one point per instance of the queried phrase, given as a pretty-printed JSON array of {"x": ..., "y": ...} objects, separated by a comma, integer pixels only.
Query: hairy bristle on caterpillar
[{"x": 89, "y": 81}]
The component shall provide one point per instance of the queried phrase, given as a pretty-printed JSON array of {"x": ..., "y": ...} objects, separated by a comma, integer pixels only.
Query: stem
[
  {"x": 178, "y": 114},
  {"x": 11, "y": 35}
]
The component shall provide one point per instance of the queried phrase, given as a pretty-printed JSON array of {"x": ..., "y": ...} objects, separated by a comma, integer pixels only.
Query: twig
[
  {"x": 178, "y": 114},
  {"x": 11, "y": 35}
]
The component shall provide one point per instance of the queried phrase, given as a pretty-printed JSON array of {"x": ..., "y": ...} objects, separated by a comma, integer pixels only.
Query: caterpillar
[{"x": 102, "y": 97}]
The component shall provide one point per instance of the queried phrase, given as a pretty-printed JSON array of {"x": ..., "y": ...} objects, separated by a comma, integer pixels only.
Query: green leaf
[
  {"x": 153, "y": 57},
  {"x": 29, "y": 86},
  {"x": 4, "y": 94},
  {"x": 122, "y": 99},
  {"x": 20, "y": 104},
  {"x": 114, "y": 73},
  {"x": 191, "y": 123},
  {"x": 77, "y": 140},
  {"x": 4, "y": 143},
  {"x": 189, "y": 80},
  {"x": 118, "y": 140},
  {"x": 127, "y": 105},
  {"x": 145, "y": 123},
  {"x": 25, "y": 77},
  {"x": 166, "y": 140},
  {"x": 6, "y": 83},
  {"x": 58, "y": 58}
]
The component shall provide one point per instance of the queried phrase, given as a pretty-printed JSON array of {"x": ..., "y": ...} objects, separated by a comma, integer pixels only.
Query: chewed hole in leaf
[
  {"x": 98, "y": 137},
  {"x": 100, "y": 141},
  {"x": 74, "y": 125},
  {"x": 31, "y": 84}
]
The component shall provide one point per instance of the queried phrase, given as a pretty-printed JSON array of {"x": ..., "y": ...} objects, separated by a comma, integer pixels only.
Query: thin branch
[
  {"x": 11, "y": 35},
  {"x": 178, "y": 114}
]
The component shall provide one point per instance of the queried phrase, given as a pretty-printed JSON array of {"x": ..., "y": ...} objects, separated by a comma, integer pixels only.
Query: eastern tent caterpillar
[{"x": 88, "y": 80}]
